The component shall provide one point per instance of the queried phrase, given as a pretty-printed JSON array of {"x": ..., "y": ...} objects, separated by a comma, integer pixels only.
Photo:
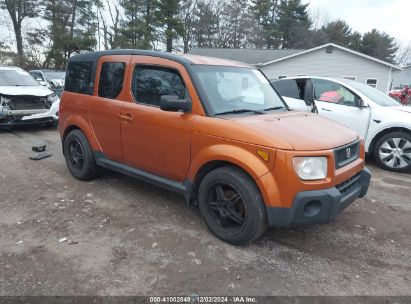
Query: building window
[
  {"x": 111, "y": 79},
  {"x": 349, "y": 77},
  {"x": 151, "y": 82},
  {"x": 282, "y": 76},
  {"x": 372, "y": 82}
]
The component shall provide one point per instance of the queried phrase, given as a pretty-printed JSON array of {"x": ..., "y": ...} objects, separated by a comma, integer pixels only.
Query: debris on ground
[
  {"x": 41, "y": 152},
  {"x": 19, "y": 242},
  {"x": 39, "y": 147},
  {"x": 62, "y": 240},
  {"x": 40, "y": 155}
]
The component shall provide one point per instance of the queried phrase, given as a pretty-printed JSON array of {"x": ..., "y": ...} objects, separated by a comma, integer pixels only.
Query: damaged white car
[{"x": 24, "y": 101}]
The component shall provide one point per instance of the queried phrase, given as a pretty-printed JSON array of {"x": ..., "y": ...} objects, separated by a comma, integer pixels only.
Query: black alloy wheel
[
  {"x": 76, "y": 154},
  {"x": 232, "y": 206},
  {"x": 226, "y": 207},
  {"x": 79, "y": 156}
]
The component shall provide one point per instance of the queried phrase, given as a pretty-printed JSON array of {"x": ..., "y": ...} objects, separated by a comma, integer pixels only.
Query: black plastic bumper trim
[{"x": 319, "y": 206}]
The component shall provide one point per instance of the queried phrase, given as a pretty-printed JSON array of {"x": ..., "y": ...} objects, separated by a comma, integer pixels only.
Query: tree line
[{"x": 72, "y": 26}]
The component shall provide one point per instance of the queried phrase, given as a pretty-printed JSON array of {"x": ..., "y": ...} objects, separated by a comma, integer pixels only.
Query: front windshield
[
  {"x": 232, "y": 89},
  {"x": 375, "y": 95},
  {"x": 16, "y": 78}
]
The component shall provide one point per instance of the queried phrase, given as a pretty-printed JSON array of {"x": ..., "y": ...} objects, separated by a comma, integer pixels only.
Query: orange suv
[{"x": 212, "y": 130}]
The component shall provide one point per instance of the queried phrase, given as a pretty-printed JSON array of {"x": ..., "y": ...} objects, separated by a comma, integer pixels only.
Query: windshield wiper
[
  {"x": 277, "y": 108},
  {"x": 237, "y": 111}
]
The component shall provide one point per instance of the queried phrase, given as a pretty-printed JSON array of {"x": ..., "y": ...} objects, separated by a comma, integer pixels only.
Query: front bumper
[
  {"x": 320, "y": 206},
  {"x": 34, "y": 118}
]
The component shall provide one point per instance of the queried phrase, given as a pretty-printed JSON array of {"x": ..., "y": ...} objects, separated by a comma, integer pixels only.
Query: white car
[
  {"x": 49, "y": 78},
  {"x": 380, "y": 120},
  {"x": 24, "y": 101}
]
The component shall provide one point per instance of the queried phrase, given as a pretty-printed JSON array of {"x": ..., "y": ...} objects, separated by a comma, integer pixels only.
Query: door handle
[
  {"x": 126, "y": 116},
  {"x": 328, "y": 110}
]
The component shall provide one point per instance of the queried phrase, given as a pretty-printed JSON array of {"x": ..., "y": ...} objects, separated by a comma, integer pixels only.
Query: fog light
[{"x": 312, "y": 208}]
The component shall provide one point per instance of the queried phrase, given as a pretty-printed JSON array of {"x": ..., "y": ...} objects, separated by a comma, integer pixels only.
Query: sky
[{"x": 390, "y": 16}]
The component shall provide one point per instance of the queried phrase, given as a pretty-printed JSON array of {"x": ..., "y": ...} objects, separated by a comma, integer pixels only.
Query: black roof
[{"x": 95, "y": 56}]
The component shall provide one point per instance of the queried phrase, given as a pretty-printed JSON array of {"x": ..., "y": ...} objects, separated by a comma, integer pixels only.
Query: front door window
[{"x": 332, "y": 92}]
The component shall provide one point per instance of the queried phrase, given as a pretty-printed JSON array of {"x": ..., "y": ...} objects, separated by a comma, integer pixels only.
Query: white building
[{"x": 401, "y": 78}]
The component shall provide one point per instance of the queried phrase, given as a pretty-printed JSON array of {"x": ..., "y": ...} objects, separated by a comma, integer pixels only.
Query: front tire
[
  {"x": 79, "y": 156},
  {"x": 393, "y": 152},
  {"x": 232, "y": 206}
]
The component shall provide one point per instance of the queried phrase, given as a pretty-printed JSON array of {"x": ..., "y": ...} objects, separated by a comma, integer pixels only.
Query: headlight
[
  {"x": 310, "y": 168},
  {"x": 52, "y": 98}
]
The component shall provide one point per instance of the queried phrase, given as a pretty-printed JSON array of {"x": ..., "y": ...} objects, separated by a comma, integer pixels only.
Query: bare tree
[
  {"x": 188, "y": 8},
  {"x": 18, "y": 11},
  {"x": 404, "y": 55},
  {"x": 110, "y": 28}
]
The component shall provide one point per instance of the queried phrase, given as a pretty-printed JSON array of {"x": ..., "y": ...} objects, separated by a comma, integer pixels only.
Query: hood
[
  {"x": 25, "y": 90},
  {"x": 303, "y": 131},
  {"x": 401, "y": 108}
]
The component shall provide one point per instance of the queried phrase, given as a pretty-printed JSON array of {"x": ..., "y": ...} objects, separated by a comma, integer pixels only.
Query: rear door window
[
  {"x": 292, "y": 88},
  {"x": 78, "y": 77},
  {"x": 111, "y": 79},
  {"x": 151, "y": 82}
]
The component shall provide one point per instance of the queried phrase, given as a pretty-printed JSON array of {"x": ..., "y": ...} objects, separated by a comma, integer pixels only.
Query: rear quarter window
[{"x": 78, "y": 78}]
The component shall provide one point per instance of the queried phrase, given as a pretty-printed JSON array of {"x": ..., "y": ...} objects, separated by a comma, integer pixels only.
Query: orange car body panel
[
  {"x": 74, "y": 112},
  {"x": 176, "y": 145}
]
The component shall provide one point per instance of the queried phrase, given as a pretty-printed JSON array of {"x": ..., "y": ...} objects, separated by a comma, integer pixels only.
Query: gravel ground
[{"x": 124, "y": 237}]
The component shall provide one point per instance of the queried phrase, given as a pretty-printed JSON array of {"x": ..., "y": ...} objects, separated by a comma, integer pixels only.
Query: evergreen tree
[
  {"x": 72, "y": 28},
  {"x": 138, "y": 29},
  {"x": 338, "y": 32},
  {"x": 238, "y": 23},
  {"x": 205, "y": 24},
  {"x": 169, "y": 20},
  {"x": 355, "y": 41},
  {"x": 266, "y": 34},
  {"x": 379, "y": 45},
  {"x": 292, "y": 20}
]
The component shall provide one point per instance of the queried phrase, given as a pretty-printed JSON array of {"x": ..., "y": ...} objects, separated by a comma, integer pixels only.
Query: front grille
[
  {"x": 26, "y": 103},
  {"x": 347, "y": 154},
  {"x": 346, "y": 185}
]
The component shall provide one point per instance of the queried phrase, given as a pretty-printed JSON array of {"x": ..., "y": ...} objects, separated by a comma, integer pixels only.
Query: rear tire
[
  {"x": 232, "y": 206},
  {"x": 393, "y": 152},
  {"x": 79, "y": 156}
]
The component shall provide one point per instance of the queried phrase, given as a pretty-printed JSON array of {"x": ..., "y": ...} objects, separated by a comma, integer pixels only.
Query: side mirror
[
  {"x": 309, "y": 93},
  {"x": 173, "y": 103},
  {"x": 361, "y": 103}
]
